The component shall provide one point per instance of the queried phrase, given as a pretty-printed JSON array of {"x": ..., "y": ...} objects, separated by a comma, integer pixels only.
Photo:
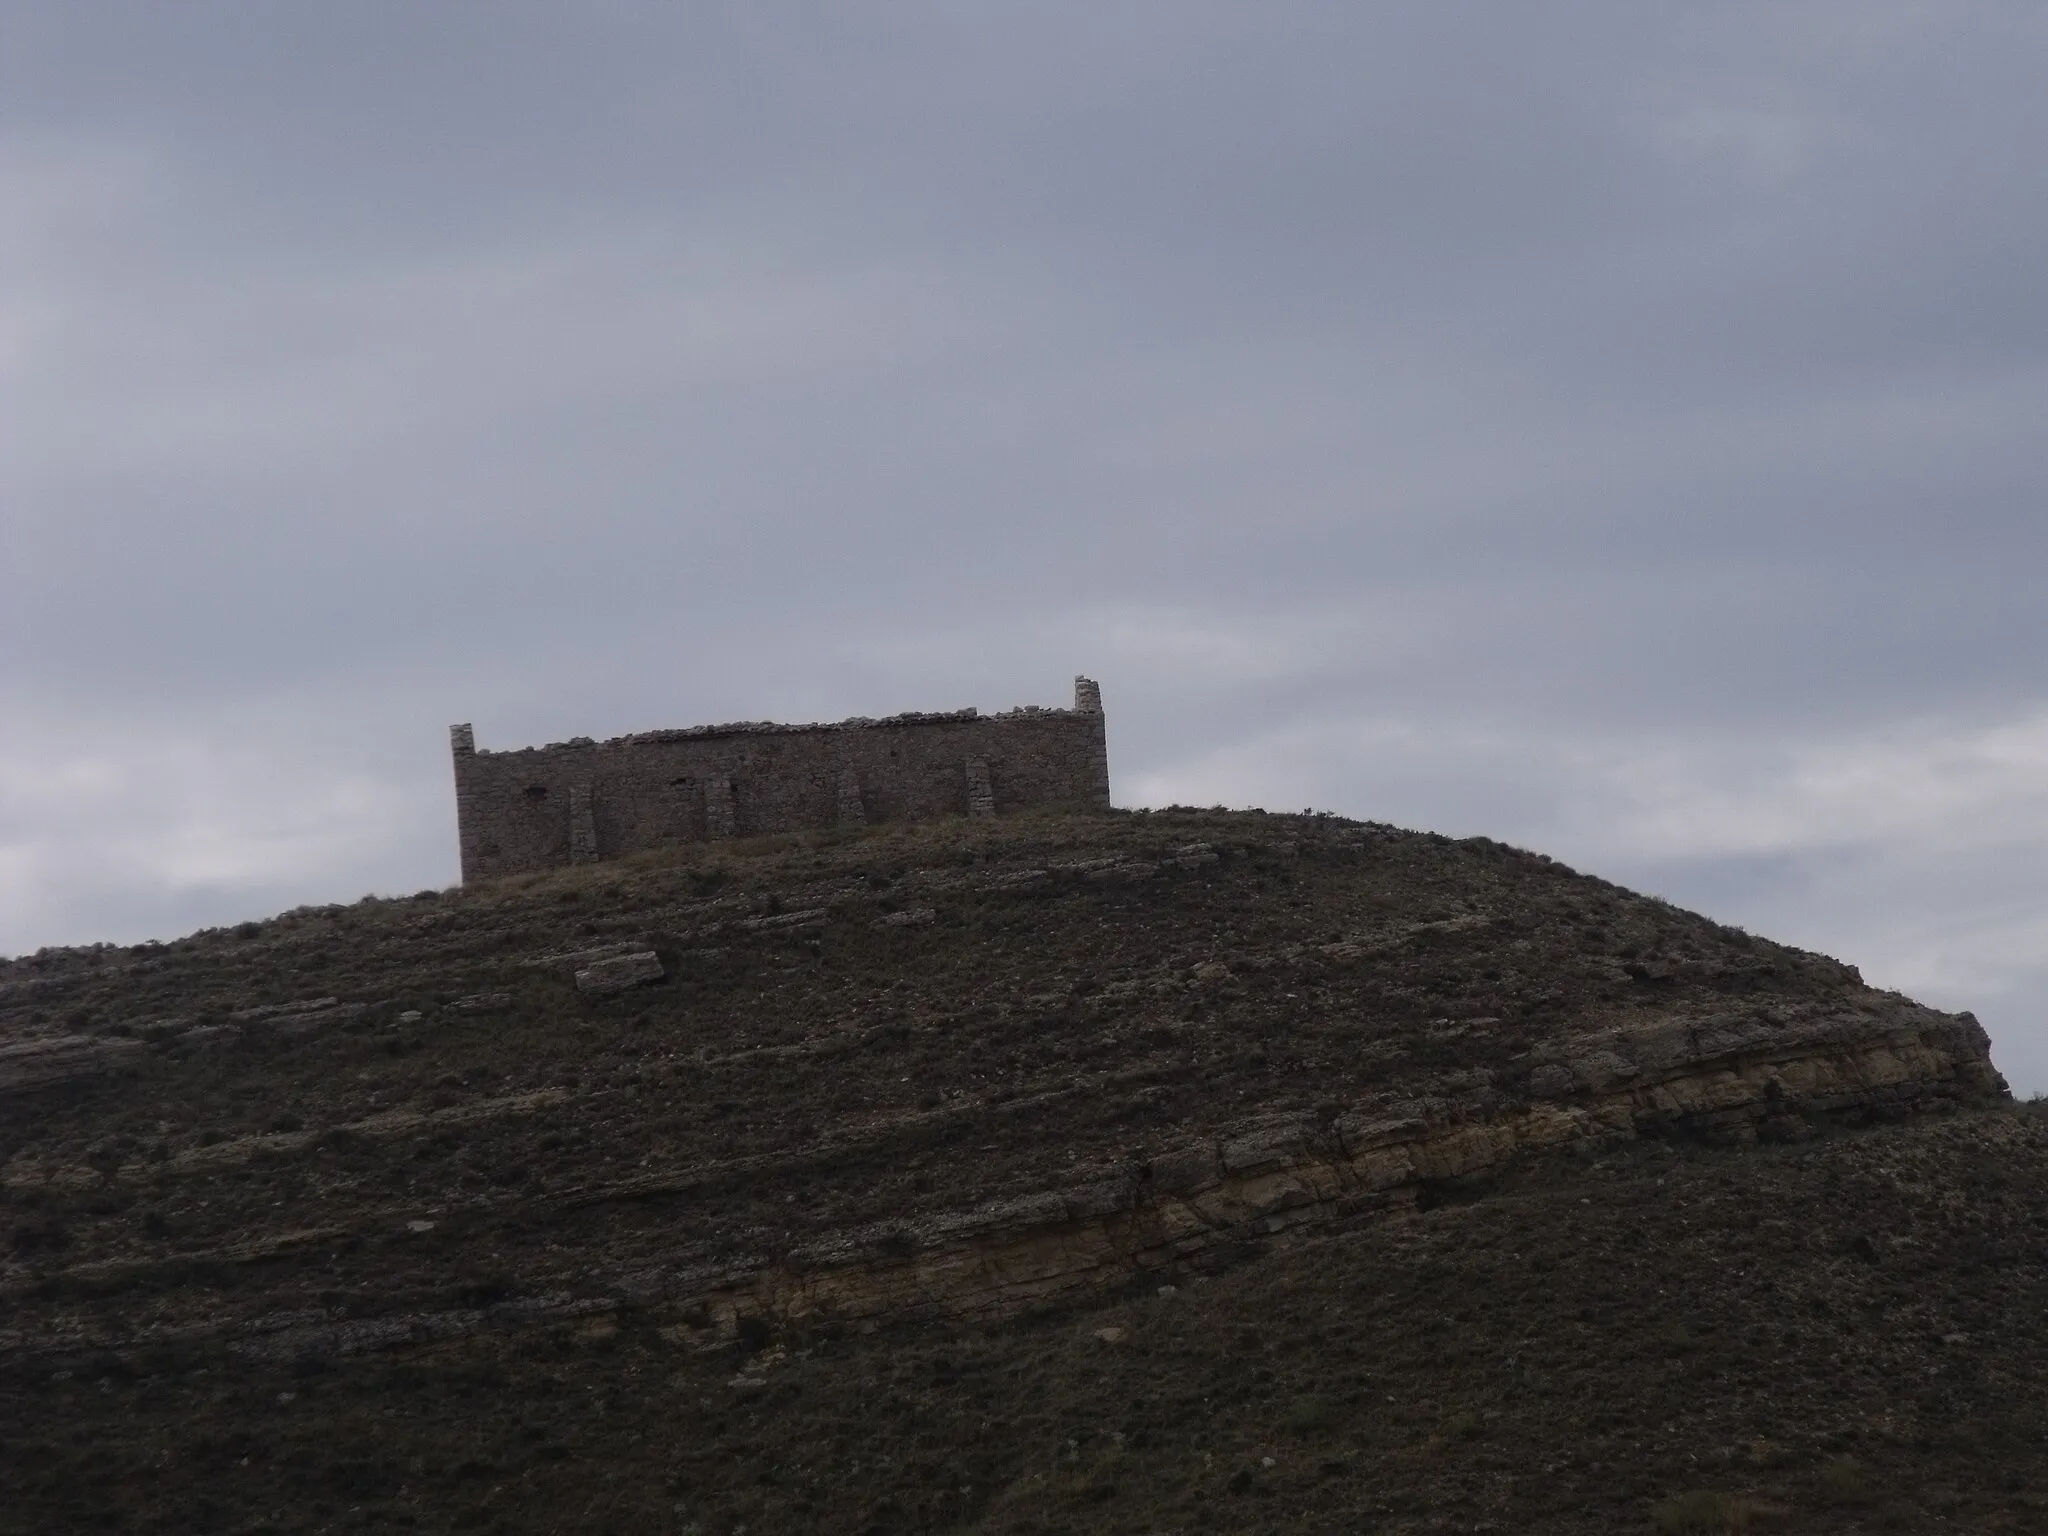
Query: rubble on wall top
[{"x": 776, "y": 728}]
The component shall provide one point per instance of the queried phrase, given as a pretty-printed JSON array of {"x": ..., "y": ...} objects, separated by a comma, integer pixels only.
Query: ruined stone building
[{"x": 582, "y": 800}]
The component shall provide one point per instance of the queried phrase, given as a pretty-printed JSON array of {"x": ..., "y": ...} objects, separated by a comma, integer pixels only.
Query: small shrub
[
  {"x": 48, "y": 1236},
  {"x": 1307, "y": 1415},
  {"x": 308, "y": 1363},
  {"x": 1844, "y": 1480},
  {"x": 1702, "y": 1513},
  {"x": 1676, "y": 1339},
  {"x": 483, "y": 1290}
]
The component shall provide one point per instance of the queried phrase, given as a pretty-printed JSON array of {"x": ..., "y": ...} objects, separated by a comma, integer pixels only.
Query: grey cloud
[{"x": 1498, "y": 377}]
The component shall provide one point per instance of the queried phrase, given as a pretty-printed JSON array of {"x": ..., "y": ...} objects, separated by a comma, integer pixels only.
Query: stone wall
[{"x": 582, "y": 800}]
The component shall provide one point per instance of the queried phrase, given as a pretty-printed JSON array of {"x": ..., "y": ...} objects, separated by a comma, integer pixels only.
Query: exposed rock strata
[
  {"x": 620, "y": 973},
  {"x": 947, "y": 1071},
  {"x": 59, "y": 1058},
  {"x": 1295, "y": 1175},
  {"x": 1277, "y": 1180}
]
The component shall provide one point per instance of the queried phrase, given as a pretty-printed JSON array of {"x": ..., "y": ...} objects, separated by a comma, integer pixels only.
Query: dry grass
[{"x": 1703, "y": 1512}]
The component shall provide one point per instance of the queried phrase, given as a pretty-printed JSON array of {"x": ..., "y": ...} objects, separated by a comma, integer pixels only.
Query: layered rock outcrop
[
  {"x": 1730, "y": 1082},
  {"x": 958, "y": 1070}
]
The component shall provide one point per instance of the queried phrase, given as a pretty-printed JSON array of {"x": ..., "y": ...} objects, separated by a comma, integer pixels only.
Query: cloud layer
[{"x": 1613, "y": 430}]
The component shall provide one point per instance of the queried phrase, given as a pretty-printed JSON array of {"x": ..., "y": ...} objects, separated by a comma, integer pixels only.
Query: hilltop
[{"x": 1047, "y": 1173}]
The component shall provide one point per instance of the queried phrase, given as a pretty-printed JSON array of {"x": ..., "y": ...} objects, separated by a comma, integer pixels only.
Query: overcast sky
[{"x": 1614, "y": 428}]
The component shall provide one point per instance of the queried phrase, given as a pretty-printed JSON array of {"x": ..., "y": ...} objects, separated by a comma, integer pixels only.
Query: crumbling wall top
[{"x": 1087, "y": 700}]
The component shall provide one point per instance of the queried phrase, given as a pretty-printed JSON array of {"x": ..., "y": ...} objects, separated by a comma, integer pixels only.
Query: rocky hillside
[{"x": 672, "y": 1140}]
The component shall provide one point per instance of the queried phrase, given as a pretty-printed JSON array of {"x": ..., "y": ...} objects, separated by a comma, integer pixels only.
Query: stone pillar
[
  {"x": 1088, "y": 701},
  {"x": 582, "y": 826},
  {"x": 721, "y": 814},
  {"x": 853, "y": 812},
  {"x": 462, "y": 747},
  {"x": 981, "y": 794}
]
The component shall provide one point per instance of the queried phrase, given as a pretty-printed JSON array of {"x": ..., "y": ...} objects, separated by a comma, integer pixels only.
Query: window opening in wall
[{"x": 536, "y": 792}]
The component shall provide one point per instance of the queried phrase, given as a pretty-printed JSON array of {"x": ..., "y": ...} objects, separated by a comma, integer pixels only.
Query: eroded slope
[
  {"x": 1839, "y": 1335},
  {"x": 955, "y": 1069}
]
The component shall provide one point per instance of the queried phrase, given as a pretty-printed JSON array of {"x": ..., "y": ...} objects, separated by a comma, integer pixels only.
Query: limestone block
[
  {"x": 1603, "y": 1070},
  {"x": 810, "y": 917},
  {"x": 602, "y": 978},
  {"x": 1362, "y": 1130},
  {"x": 1185, "y": 1171},
  {"x": 1121, "y": 869},
  {"x": 279, "y": 1010},
  {"x": 301, "y": 1017},
  {"x": 577, "y": 959},
  {"x": 1384, "y": 1168},
  {"x": 1277, "y": 1145}
]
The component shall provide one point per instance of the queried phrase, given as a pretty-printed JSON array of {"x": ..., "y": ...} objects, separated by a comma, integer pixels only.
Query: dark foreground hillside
[
  {"x": 1846, "y": 1335},
  {"x": 832, "y": 1184}
]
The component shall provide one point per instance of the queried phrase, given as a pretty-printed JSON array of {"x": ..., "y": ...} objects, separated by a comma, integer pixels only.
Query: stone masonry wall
[{"x": 583, "y": 800}]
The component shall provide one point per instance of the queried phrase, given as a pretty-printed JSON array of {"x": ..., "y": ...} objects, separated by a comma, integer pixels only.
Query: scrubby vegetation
[{"x": 411, "y": 1258}]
